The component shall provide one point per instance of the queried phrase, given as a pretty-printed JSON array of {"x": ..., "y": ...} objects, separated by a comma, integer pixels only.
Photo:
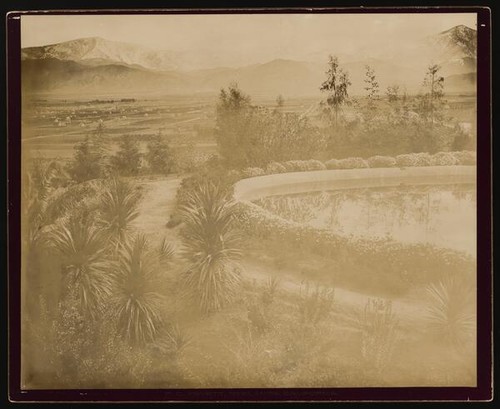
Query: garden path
[{"x": 158, "y": 203}]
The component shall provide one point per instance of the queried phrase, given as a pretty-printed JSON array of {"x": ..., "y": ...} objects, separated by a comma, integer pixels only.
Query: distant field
[{"x": 52, "y": 125}]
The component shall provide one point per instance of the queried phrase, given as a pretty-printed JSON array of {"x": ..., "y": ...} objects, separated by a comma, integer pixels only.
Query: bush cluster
[
  {"x": 377, "y": 161},
  {"x": 383, "y": 264}
]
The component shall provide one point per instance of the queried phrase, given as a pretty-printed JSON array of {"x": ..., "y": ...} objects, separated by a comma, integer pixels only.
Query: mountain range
[{"x": 98, "y": 66}]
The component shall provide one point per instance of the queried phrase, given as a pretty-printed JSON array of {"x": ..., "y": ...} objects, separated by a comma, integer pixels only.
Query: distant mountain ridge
[
  {"x": 97, "y": 65},
  {"x": 98, "y": 51}
]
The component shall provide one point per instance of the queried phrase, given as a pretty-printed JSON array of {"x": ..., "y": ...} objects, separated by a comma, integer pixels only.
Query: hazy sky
[{"x": 262, "y": 36}]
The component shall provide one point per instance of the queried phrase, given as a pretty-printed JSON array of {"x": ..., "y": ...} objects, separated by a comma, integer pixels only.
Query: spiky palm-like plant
[
  {"x": 451, "y": 309},
  {"x": 118, "y": 208},
  {"x": 211, "y": 245},
  {"x": 39, "y": 184},
  {"x": 85, "y": 266},
  {"x": 136, "y": 302}
]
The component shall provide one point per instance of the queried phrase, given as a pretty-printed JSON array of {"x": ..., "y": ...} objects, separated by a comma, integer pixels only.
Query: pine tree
[
  {"x": 127, "y": 161},
  {"x": 336, "y": 85},
  {"x": 159, "y": 155}
]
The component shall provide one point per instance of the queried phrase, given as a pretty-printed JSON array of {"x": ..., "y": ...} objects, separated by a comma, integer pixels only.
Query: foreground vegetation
[{"x": 107, "y": 305}]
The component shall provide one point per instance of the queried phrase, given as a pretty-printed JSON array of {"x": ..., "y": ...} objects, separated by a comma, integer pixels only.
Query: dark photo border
[{"x": 484, "y": 389}]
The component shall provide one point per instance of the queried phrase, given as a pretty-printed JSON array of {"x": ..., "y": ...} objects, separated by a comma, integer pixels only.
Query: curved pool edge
[{"x": 255, "y": 188}]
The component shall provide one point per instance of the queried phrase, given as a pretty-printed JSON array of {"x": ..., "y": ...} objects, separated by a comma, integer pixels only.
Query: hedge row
[
  {"x": 374, "y": 264},
  {"x": 405, "y": 160}
]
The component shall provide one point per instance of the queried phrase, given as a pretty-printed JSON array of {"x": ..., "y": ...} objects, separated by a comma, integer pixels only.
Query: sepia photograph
[{"x": 256, "y": 200}]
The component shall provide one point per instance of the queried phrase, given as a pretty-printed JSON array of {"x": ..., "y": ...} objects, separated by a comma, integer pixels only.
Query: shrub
[
  {"x": 136, "y": 301},
  {"x": 332, "y": 164},
  {"x": 381, "y": 161},
  {"x": 315, "y": 305},
  {"x": 378, "y": 326},
  {"x": 422, "y": 159},
  {"x": 270, "y": 290},
  {"x": 118, "y": 208},
  {"x": 465, "y": 157},
  {"x": 275, "y": 167},
  {"x": 82, "y": 247},
  {"x": 235, "y": 174},
  {"x": 353, "y": 163},
  {"x": 127, "y": 160},
  {"x": 443, "y": 159},
  {"x": 313, "y": 164},
  {"x": 88, "y": 160},
  {"x": 294, "y": 166},
  {"x": 211, "y": 246},
  {"x": 405, "y": 160},
  {"x": 252, "y": 172},
  {"x": 387, "y": 266},
  {"x": 159, "y": 155},
  {"x": 451, "y": 304}
]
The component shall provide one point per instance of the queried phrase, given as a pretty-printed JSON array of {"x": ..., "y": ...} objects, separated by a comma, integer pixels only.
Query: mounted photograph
[{"x": 249, "y": 200}]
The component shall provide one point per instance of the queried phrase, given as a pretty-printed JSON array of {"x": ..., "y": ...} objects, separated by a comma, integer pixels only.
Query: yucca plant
[
  {"x": 379, "y": 333},
  {"x": 166, "y": 252},
  {"x": 270, "y": 290},
  {"x": 137, "y": 304},
  {"x": 314, "y": 305},
  {"x": 173, "y": 340},
  {"x": 39, "y": 183},
  {"x": 451, "y": 309},
  {"x": 211, "y": 245},
  {"x": 118, "y": 208},
  {"x": 82, "y": 249}
]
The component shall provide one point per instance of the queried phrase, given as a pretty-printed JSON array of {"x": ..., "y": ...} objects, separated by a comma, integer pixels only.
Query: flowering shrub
[
  {"x": 275, "y": 167},
  {"x": 352, "y": 163},
  {"x": 332, "y": 164},
  {"x": 444, "y": 159},
  {"x": 377, "y": 161},
  {"x": 422, "y": 159},
  {"x": 295, "y": 166},
  {"x": 252, "y": 172},
  {"x": 465, "y": 157},
  {"x": 381, "y": 161},
  {"x": 405, "y": 160},
  {"x": 314, "y": 164}
]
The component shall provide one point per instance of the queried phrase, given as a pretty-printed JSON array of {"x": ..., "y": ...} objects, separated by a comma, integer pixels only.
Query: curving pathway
[{"x": 158, "y": 203}]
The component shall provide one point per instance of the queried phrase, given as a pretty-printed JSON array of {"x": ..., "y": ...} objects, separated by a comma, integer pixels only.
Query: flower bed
[{"x": 374, "y": 263}]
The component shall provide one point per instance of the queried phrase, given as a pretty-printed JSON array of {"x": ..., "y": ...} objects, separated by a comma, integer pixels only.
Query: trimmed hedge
[
  {"x": 332, "y": 164},
  {"x": 352, "y": 163},
  {"x": 466, "y": 157},
  {"x": 275, "y": 167},
  {"x": 381, "y": 161},
  {"x": 377, "y": 161},
  {"x": 252, "y": 172},
  {"x": 444, "y": 159}
]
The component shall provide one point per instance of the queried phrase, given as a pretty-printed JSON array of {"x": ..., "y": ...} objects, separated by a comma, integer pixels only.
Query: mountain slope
[
  {"x": 97, "y": 65},
  {"x": 51, "y": 74},
  {"x": 98, "y": 51}
]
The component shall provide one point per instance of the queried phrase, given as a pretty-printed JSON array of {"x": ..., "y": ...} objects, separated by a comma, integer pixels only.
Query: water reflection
[{"x": 444, "y": 215}]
